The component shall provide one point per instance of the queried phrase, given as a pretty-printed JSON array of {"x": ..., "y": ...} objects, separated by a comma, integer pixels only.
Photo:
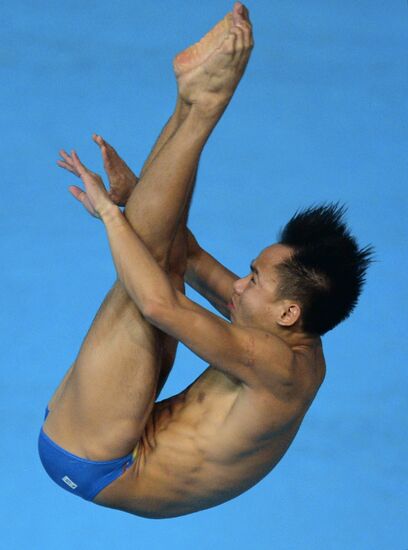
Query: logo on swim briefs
[{"x": 69, "y": 482}]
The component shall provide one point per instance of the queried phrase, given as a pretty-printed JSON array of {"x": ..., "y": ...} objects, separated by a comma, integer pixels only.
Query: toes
[
  {"x": 247, "y": 34},
  {"x": 240, "y": 14},
  {"x": 239, "y": 43},
  {"x": 230, "y": 41},
  {"x": 237, "y": 12},
  {"x": 245, "y": 14},
  {"x": 244, "y": 39},
  {"x": 243, "y": 32}
]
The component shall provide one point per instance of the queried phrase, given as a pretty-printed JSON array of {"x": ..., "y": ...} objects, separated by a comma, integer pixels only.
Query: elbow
[
  {"x": 155, "y": 312},
  {"x": 151, "y": 310}
]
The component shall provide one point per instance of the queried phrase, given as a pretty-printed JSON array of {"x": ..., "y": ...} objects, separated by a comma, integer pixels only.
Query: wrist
[{"x": 111, "y": 215}]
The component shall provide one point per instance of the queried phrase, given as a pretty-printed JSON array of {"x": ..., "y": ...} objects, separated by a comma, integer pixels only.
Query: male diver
[{"x": 105, "y": 438}]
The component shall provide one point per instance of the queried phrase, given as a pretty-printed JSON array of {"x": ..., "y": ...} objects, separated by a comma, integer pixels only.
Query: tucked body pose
[{"x": 106, "y": 438}]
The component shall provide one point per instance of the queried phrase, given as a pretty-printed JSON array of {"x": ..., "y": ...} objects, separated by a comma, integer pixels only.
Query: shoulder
[
  {"x": 310, "y": 368},
  {"x": 269, "y": 358}
]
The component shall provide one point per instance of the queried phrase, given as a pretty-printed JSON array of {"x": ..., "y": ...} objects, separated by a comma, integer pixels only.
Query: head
[
  {"x": 313, "y": 276},
  {"x": 256, "y": 300}
]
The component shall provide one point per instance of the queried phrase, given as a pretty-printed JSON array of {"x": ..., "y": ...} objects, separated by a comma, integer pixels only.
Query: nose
[{"x": 240, "y": 284}]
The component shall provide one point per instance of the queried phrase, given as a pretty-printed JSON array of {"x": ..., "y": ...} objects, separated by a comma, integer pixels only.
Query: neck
[{"x": 295, "y": 338}]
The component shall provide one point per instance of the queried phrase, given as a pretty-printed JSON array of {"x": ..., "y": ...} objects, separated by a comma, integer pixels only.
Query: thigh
[{"x": 100, "y": 409}]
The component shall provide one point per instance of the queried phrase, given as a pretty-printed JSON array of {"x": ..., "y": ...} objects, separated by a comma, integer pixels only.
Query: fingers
[
  {"x": 101, "y": 142},
  {"x": 65, "y": 156},
  {"x": 72, "y": 162},
  {"x": 76, "y": 162},
  {"x": 103, "y": 145},
  {"x": 98, "y": 140},
  {"x": 77, "y": 192},
  {"x": 87, "y": 176},
  {"x": 79, "y": 167},
  {"x": 83, "y": 198},
  {"x": 106, "y": 149},
  {"x": 94, "y": 186},
  {"x": 67, "y": 166},
  {"x": 66, "y": 163}
]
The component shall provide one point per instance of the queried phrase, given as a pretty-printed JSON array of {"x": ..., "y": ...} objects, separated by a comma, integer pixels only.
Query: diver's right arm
[{"x": 208, "y": 276}]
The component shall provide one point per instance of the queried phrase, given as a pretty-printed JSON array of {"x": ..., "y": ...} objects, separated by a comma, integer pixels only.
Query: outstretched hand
[
  {"x": 122, "y": 180},
  {"x": 95, "y": 198}
]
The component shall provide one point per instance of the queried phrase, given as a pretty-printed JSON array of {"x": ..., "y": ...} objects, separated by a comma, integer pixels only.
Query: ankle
[{"x": 181, "y": 110}]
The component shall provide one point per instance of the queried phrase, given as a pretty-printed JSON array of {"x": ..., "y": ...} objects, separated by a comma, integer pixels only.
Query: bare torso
[{"x": 213, "y": 441}]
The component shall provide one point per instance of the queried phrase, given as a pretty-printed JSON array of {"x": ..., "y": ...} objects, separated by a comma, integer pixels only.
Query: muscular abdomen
[{"x": 197, "y": 452}]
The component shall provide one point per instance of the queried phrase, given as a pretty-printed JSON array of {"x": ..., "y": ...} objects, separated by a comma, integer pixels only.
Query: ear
[{"x": 289, "y": 314}]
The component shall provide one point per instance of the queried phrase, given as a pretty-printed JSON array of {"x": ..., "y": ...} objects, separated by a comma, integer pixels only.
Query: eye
[{"x": 253, "y": 280}]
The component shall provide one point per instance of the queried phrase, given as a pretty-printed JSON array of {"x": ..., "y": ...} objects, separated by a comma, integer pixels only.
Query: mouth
[{"x": 231, "y": 305}]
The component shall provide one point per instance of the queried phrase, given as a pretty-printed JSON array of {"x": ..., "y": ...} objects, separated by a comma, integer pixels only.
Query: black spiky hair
[{"x": 326, "y": 270}]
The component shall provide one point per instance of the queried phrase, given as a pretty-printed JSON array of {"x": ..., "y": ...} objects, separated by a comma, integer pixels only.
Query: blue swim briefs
[{"x": 85, "y": 478}]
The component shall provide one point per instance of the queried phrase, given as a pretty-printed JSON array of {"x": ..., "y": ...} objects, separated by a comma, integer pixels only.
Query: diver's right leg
[{"x": 103, "y": 408}]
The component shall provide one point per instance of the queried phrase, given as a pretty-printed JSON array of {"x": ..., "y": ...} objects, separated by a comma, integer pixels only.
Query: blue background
[{"x": 320, "y": 115}]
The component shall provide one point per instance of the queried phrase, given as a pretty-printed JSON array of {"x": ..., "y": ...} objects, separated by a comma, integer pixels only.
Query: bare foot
[
  {"x": 197, "y": 53},
  {"x": 122, "y": 180},
  {"x": 208, "y": 72}
]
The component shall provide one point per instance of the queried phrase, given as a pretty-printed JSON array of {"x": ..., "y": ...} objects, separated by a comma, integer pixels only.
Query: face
[{"x": 254, "y": 298}]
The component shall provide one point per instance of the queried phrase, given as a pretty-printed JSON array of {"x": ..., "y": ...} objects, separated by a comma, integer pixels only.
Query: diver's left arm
[{"x": 254, "y": 357}]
